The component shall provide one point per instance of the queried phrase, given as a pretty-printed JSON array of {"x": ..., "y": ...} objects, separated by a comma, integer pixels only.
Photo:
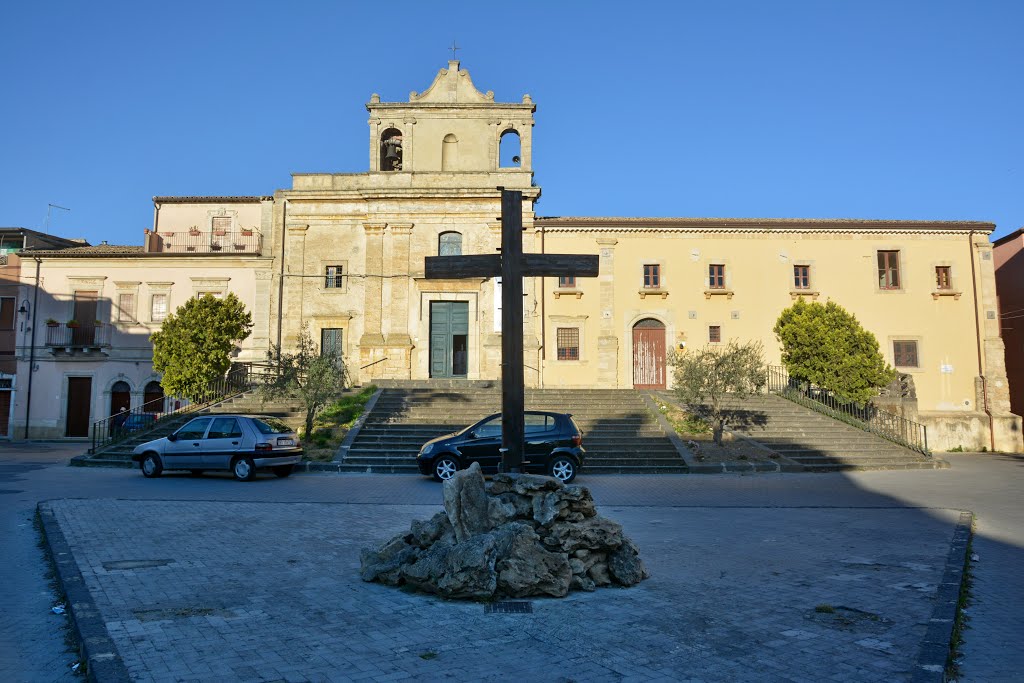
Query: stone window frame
[
  {"x": 86, "y": 283},
  {"x": 122, "y": 288},
  {"x": 811, "y": 290},
  {"x": 155, "y": 289},
  {"x": 565, "y": 322},
  {"x": 217, "y": 286},
  {"x": 727, "y": 273},
  {"x": 710, "y": 334},
  {"x": 917, "y": 350},
  {"x": 222, "y": 212},
  {"x": 890, "y": 265},
  {"x": 342, "y": 282}
]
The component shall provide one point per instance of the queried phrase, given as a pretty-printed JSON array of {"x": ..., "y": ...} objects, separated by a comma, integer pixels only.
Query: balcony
[
  {"x": 247, "y": 241},
  {"x": 62, "y": 338}
]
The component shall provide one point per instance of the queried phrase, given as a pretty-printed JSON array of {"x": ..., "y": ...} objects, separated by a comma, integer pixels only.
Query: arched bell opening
[
  {"x": 391, "y": 150},
  {"x": 510, "y": 150}
]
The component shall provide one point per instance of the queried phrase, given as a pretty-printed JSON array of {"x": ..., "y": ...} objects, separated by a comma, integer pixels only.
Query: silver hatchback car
[{"x": 241, "y": 444}]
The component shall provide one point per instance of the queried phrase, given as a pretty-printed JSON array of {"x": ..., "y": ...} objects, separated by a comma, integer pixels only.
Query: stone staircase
[
  {"x": 818, "y": 442},
  {"x": 620, "y": 434},
  {"x": 119, "y": 454}
]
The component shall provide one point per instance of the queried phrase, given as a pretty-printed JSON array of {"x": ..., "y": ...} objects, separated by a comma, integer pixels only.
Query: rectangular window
[
  {"x": 330, "y": 341},
  {"x": 333, "y": 279},
  {"x": 716, "y": 276},
  {"x": 7, "y": 313},
  {"x": 904, "y": 354},
  {"x": 126, "y": 307},
  {"x": 652, "y": 276},
  {"x": 801, "y": 277},
  {"x": 566, "y": 281},
  {"x": 568, "y": 339},
  {"x": 888, "y": 270},
  {"x": 715, "y": 333},
  {"x": 215, "y": 295},
  {"x": 943, "y": 277},
  {"x": 158, "y": 308},
  {"x": 221, "y": 224}
]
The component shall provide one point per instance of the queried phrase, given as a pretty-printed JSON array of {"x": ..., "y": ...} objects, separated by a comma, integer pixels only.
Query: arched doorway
[
  {"x": 649, "y": 354},
  {"x": 153, "y": 398},
  {"x": 120, "y": 397}
]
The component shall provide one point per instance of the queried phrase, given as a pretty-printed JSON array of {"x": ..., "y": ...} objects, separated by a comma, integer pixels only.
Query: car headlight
[{"x": 426, "y": 449}]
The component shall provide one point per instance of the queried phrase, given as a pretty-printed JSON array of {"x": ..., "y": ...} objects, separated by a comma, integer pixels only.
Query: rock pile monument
[{"x": 524, "y": 535}]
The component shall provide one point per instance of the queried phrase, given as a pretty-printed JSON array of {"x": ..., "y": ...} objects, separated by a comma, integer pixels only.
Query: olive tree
[
  {"x": 192, "y": 349},
  {"x": 314, "y": 378},
  {"x": 825, "y": 345},
  {"x": 707, "y": 376}
]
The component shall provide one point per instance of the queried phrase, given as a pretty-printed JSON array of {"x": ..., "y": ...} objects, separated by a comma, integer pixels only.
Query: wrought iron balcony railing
[
  {"x": 210, "y": 242},
  {"x": 70, "y": 336}
]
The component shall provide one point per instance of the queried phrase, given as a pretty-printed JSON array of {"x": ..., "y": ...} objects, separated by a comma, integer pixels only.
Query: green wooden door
[{"x": 449, "y": 338}]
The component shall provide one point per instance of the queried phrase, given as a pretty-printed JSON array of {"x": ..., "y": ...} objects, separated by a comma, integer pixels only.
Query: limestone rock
[
  {"x": 524, "y": 535},
  {"x": 465, "y": 501},
  {"x": 625, "y": 564},
  {"x": 595, "y": 533}
]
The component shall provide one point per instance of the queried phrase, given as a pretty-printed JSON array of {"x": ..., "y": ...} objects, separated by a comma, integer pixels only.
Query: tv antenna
[{"x": 49, "y": 208}]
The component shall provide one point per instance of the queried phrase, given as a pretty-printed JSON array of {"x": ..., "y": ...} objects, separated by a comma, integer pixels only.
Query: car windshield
[{"x": 270, "y": 426}]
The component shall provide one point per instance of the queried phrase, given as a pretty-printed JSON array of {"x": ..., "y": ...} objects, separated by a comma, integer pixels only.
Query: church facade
[{"x": 342, "y": 255}]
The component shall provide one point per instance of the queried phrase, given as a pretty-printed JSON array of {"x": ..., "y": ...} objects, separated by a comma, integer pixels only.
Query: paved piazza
[
  {"x": 213, "y": 580},
  {"x": 269, "y": 591}
]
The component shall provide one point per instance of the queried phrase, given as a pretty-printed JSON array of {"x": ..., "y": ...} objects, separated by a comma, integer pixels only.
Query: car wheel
[
  {"x": 197, "y": 473},
  {"x": 244, "y": 469},
  {"x": 151, "y": 466},
  {"x": 445, "y": 468},
  {"x": 563, "y": 468},
  {"x": 283, "y": 470}
]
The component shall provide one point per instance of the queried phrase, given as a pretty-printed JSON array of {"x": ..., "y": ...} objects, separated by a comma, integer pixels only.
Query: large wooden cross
[{"x": 511, "y": 265}]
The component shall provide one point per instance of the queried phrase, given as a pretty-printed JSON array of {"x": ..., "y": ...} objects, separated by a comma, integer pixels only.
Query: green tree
[
  {"x": 707, "y": 376},
  {"x": 193, "y": 346},
  {"x": 825, "y": 345},
  {"x": 314, "y": 379}
]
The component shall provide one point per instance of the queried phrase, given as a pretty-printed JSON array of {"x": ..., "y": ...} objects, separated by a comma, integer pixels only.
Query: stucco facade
[
  {"x": 344, "y": 255},
  {"x": 1008, "y": 256}
]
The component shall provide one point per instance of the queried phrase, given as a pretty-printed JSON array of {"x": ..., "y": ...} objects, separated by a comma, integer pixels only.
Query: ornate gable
[{"x": 452, "y": 86}]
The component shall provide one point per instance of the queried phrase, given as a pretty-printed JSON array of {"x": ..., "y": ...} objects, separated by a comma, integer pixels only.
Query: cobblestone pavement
[
  {"x": 265, "y": 592},
  {"x": 32, "y": 646}
]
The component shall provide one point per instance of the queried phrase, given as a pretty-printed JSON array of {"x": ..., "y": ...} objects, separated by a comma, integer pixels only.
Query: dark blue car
[{"x": 553, "y": 446}]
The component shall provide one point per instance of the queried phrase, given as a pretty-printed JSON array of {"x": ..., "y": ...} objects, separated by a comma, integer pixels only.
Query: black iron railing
[
  {"x": 124, "y": 424},
  {"x": 211, "y": 242},
  {"x": 868, "y": 417},
  {"x": 75, "y": 335}
]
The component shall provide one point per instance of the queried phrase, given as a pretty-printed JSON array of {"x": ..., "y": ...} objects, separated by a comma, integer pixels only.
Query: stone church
[{"x": 343, "y": 254}]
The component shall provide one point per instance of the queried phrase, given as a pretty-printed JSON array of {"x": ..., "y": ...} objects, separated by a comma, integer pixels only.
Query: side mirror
[{"x": 172, "y": 437}]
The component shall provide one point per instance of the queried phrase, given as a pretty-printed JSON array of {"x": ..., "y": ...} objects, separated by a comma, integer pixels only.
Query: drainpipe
[
  {"x": 977, "y": 331},
  {"x": 32, "y": 347},
  {"x": 543, "y": 316}
]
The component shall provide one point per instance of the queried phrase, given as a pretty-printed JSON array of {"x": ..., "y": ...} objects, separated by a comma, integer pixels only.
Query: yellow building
[{"x": 348, "y": 254}]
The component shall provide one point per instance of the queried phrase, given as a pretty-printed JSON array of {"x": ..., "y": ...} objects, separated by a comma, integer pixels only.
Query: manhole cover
[
  {"x": 135, "y": 564},
  {"x": 508, "y": 607}
]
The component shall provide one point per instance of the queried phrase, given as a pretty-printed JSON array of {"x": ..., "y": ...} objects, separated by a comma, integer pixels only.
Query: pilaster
[{"x": 607, "y": 340}]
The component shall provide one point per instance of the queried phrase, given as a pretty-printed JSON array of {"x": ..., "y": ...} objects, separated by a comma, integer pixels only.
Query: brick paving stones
[{"x": 266, "y": 591}]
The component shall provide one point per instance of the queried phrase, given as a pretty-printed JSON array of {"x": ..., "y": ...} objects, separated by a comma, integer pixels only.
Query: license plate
[{"x": 285, "y": 442}]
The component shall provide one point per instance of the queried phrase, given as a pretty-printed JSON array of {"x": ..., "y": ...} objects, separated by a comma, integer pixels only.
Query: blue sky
[{"x": 818, "y": 109}]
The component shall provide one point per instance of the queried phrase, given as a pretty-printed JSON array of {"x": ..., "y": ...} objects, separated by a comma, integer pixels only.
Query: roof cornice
[{"x": 624, "y": 224}]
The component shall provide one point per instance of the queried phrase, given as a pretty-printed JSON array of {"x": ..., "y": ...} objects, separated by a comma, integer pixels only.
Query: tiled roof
[
  {"x": 632, "y": 223},
  {"x": 94, "y": 250}
]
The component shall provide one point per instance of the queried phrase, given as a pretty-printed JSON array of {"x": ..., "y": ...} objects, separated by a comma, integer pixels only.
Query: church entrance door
[
  {"x": 449, "y": 338},
  {"x": 649, "y": 354}
]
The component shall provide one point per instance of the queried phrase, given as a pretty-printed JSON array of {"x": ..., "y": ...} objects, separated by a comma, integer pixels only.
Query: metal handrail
[
  {"x": 870, "y": 418},
  {"x": 380, "y": 360},
  {"x": 113, "y": 428}
]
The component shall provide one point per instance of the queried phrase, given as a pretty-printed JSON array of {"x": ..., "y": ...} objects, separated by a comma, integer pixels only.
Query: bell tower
[{"x": 451, "y": 127}]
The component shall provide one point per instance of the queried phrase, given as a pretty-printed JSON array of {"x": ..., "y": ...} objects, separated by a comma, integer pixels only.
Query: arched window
[
  {"x": 450, "y": 153},
  {"x": 391, "y": 150},
  {"x": 449, "y": 244},
  {"x": 120, "y": 397},
  {"x": 509, "y": 151},
  {"x": 153, "y": 398}
]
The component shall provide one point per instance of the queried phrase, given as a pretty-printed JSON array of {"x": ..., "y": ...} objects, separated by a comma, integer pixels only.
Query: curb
[
  {"x": 102, "y": 662},
  {"x": 931, "y": 659}
]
